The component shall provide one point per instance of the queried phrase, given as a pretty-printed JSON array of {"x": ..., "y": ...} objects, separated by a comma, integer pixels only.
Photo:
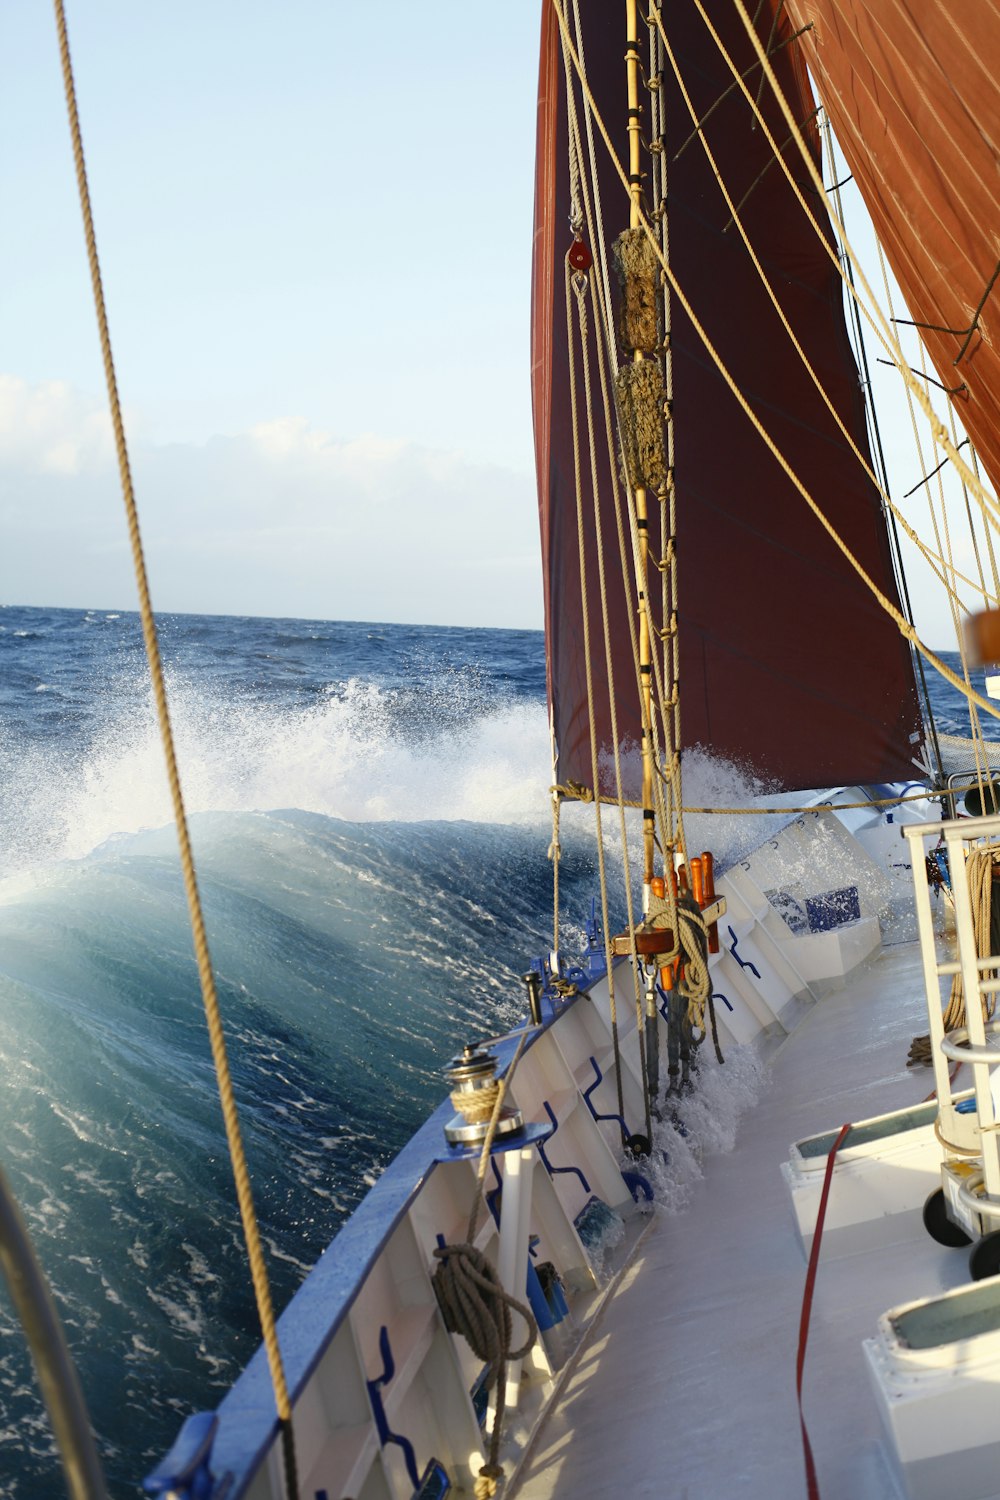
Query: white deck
[{"x": 686, "y": 1388}]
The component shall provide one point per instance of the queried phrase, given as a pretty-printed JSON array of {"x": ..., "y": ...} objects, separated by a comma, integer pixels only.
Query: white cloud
[
  {"x": 281, "y": 520},
  {"x": 52, "y": 429}
]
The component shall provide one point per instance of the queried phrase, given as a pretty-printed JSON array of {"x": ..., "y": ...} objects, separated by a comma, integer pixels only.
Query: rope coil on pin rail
[{"x": 213, "y": 1017}]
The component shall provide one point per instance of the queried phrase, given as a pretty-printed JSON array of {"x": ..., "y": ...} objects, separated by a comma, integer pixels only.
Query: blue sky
[{"x": 315, "y": 232}]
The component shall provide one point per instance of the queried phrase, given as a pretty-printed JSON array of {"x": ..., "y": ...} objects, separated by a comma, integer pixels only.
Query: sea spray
[{"x": 699, "y": 1123}]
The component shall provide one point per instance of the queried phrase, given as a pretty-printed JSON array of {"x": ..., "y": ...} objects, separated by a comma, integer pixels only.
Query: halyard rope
[
  {"x": 579, "y": 286},
  {"x": 812, "y": 1484},
  {"x": 212, "y": 1015},
  {"x": 605, "y": 342},
  {"x": 601, "y": 298}
]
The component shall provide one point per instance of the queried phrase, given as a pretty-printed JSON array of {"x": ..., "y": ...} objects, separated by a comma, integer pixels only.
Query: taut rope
[{"x": 213, "y": 1017}]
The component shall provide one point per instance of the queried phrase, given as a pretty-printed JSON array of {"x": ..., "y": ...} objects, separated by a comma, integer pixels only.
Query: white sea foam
[
  {"x": 703, "y": 1122},
  {"x": 345, "y": 757},
  {"x": 352, "y": 754}
]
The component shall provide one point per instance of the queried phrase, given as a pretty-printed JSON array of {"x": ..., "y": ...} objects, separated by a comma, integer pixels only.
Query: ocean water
[{"x": 360, "y": 795}]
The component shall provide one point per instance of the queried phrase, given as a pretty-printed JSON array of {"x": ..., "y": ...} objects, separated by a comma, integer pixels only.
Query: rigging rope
[
  {"x": 635, "y": 583},
  {"x": 206, "y": 977},
  {"x": 555, "y": 855},
  {"x": 572, "y": 791},
  {"x": 887, "y": 337},
  {"x": 605, "y": 346},
  {"x": 930, "y": 557},
  {"x": 694, "y": 982},
  {"x": 954, "y": 599},
  {"x": 578, "y": 284},
  {"x": 876, "y": 432},
  {"x": 902, "y": 624}
]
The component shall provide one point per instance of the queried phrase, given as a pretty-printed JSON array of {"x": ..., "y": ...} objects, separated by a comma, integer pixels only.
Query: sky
[
  {"x": 315, "y": 228},
  {"x": 315, "y": 232}
]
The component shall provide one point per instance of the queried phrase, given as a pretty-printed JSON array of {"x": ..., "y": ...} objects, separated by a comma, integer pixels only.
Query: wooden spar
[{"x": 641, "y": 510}]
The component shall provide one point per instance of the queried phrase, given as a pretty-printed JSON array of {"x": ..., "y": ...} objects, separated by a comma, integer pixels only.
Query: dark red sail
[{"x": 788, "y": 665}]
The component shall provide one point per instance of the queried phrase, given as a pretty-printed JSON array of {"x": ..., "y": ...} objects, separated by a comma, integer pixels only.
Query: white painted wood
[
  {"x": 692, "y": 1368},
  {"x": 512, "y": 1261},
  {"x": 938, "y": 1398},
  {"x": 880, "y": 1187}
]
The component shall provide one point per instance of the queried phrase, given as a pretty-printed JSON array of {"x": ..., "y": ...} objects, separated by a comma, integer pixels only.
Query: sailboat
[{"x": 510, "y": 1305}]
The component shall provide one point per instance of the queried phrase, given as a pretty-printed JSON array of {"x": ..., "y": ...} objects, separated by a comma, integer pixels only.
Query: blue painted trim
[
  {"x": 552, "y": 1171},
  {"x": 528, "y": 1135},
  {"x": 185, "y": 1471},
  {"x": 248, "y": 1423},
  {"x": 385, "y": 1433},
  {"x": 636, "y": 1184},
  {"x": 492, "y": 1197},
  {"x": 744, "y": 963},
  {"x": 599, "y": 1079},
  {"x": 536, "y": 1301},
  {"x": 595, "y": 961},
  {"x": 434, "y": 1482}
]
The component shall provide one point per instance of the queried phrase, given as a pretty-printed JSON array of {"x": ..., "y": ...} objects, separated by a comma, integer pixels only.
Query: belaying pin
[{"x": 534, "y": 984}]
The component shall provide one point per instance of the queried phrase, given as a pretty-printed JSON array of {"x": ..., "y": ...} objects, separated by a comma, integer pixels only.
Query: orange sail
[{"x": 913, "y": 94}]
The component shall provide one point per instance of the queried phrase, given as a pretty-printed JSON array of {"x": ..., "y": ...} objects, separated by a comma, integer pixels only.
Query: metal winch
[{"x": 474, "y": 1087}]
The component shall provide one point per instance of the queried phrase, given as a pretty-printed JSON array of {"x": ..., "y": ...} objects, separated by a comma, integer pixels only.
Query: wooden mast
[{"x": 641, "y": 509}]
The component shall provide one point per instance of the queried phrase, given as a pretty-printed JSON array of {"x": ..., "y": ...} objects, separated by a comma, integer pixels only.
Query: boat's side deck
[{"x": 687, "y": 1386}]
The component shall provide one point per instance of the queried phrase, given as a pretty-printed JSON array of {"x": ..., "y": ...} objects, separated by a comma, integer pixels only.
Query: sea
[{"x": 370, "y": 820}]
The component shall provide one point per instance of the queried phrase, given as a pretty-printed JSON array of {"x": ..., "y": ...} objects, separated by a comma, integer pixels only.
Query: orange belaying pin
[
  {"x": 708, "y": 886},
  {"x": 658, "y": 887}
]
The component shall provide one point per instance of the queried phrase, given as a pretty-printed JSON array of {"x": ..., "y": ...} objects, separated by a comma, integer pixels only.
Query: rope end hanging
[{"x": 488, "y": 1481}]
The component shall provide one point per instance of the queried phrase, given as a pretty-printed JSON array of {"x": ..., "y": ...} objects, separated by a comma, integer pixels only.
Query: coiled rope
[
  {"x": 695, "y": 984},
  {"x": 213, "y": 1017},
  {"x": 474, "y": 1303}
]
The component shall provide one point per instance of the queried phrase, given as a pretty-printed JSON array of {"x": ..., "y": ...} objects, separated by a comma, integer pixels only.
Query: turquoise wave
[{"x": 352, "y": 961}]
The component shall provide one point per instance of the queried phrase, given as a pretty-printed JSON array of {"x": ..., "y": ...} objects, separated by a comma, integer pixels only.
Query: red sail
[
  {"x": 912, "y": 91},
  {"x": 788, "y": 666}
]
